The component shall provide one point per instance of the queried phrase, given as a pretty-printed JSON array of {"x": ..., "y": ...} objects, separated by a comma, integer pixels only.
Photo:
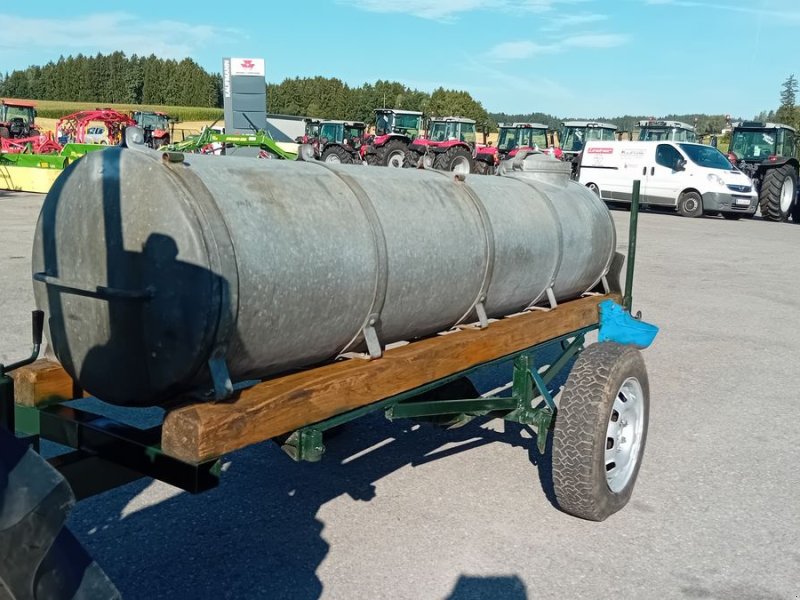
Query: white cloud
[
  {"x": 107, "y": 32},
  {"x": 522, "y": 49},
  {"x": 566, "y": 21},
  {"x": 447, "y": 10}
]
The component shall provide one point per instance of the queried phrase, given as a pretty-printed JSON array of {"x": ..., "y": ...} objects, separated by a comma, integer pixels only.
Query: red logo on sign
[
  {"x": 601, "y": 151},
  {"x": 248, "y": 64}
]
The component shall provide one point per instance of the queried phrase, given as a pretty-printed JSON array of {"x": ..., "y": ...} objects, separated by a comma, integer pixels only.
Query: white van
[{"x": 693, "y": 178}]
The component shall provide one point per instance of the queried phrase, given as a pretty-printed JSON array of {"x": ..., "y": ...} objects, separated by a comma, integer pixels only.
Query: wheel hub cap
[
  {"x": 787, "y": 195},
  {"x": 624, "y": 435}
]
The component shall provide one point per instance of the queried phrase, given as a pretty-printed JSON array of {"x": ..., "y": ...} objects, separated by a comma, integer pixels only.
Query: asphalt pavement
[{"x": 412, "y": 512}]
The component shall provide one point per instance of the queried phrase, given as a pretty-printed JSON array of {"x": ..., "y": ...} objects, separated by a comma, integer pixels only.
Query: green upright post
[{"x": 627, "y": 299}]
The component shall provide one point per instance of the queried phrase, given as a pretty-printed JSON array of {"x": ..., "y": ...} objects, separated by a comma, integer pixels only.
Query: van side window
[{"x": 667, "y": 156}]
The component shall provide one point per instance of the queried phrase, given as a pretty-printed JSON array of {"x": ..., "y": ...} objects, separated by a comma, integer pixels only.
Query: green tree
[{"x": 787, "y": 112}]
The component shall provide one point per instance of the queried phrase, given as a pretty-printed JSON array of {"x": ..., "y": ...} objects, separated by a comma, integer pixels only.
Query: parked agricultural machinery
[
  {"x": 768, "y": 154},
  {"x": 574, "y": 134},
  {"x": 311, "y": 132},
  {"x": 212, "y": 141},
  {"x": 450, "y": 145},
  {"x": 653, "y": 130},
  {"x": 155, "y": 126},
  {"x": 394, "y": 130},
  {"x": 17, "y": 119},
  {"x": 340, "y": 142},
  {"x": 73, "y": 128}
]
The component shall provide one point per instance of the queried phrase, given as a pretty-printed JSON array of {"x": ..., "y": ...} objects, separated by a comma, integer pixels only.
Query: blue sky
[{"x": 565, "y": 57}]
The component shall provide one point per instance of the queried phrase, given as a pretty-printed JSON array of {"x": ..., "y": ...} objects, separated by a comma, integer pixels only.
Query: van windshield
[{"x": 706, "y": 156}]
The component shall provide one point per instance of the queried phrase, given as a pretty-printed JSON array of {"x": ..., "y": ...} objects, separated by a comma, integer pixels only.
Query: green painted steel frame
[{"x": 527, "y": 386}]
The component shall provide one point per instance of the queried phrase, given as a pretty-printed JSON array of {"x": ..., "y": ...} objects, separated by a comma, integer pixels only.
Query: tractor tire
[
  {"x": 777, "y": 193},
  {"x": 392, "y": 154},
  {"x": 337, "y": 154},
  {"x": 731, "y": 216},
  {"x": 690, "y": 204},
  {"x": 600, "y": 431},
  {"x": 372, "y": 159},
  {"x": 412, "y": 159},
  {"x": 483, "y": 168},
  {"x": 39, "y": 557},
  {"x": 457, "y": 159}
]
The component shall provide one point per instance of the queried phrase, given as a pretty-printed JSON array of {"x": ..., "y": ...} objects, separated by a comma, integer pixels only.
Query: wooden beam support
[
  {"x": 43, "y": 382},
  {"x": 203, "y": 431}
]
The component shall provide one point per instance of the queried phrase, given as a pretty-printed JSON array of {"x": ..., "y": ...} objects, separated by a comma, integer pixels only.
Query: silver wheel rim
[
  {"x": 624, "y": 435},
  {"x": 460, "y": 165},
  {"x": 690, "y": 205},
  {"x": 395, "y": 159},
  {"x": 333, "y": 158},
  {"x": 427, "y": 161},
  {"x": 787, "y": 194}
]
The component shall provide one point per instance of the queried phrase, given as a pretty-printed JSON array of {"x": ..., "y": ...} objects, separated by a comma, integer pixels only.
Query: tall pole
[{"x": 627, "y": 299}]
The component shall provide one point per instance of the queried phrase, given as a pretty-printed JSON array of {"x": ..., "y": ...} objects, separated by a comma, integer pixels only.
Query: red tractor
[
  {"x": 17, "y": 119},
  {"x": 450, "y": 146},
  {"x": 513, "y": 138},
  {"x": 311, "y": 132},
  {"x": 394, "y": 130},
  {"x": 155, "y": 126},
  {"x": 340, "y": 142}
]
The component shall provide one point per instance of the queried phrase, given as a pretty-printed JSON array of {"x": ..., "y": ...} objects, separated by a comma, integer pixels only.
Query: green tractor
[{"x": 768, "y": 154}]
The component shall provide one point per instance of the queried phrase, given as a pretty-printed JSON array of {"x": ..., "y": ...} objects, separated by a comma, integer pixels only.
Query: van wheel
[
  {"x": 690, "y": 204},
  {"x": 593, "y": 187}
]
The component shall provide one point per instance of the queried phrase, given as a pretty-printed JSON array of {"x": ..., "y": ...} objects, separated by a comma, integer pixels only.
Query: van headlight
[{"x": 714, "y": 178}]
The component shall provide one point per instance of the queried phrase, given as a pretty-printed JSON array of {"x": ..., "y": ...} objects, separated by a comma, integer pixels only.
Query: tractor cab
[
  {"x": 755, "y": 142},
  {"x": 521, "y": 136},
  {"x": 311, "y": 132},
  {"x": 574, "y": 134},
  {"x": 346, "y": 133},
  {"x": 673, "y": 131},
  {"x": 403, "y": 122},
  {"x": 155, "y": 126},
  {"x": 17, "y": 119},
  {"x": 449, "y": 129}
]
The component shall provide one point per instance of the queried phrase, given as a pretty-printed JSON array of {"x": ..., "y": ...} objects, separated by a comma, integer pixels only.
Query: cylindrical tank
[{"x": 155, "y": 272}]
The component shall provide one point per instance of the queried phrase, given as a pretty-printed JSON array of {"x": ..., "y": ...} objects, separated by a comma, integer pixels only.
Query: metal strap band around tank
[
  {"x": 222, "y": 259},
  {"x": 369, "y": 330},
  {"x": 560, "y": 233},
  {"x": 479, "y": 304}
]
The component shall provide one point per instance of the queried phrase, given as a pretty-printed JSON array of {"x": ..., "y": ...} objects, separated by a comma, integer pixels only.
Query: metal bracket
[
  {"x": 304, "y": 445},
  {"x": 221, "y": 378},
  {"x": 371, "y": 338}
]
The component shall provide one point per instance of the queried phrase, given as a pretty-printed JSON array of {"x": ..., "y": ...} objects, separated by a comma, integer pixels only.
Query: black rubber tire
[
  {"x": 412, "y": 159},
  {"x": 579, "y": 436},
  {"x": 690, "y": 204},
  {"x": 731, "y": 216},
  {"x": 39, "y": 556},
  {"x": 769, "y": 196},
  {"x": 393, "y": 148},
  {"x": 446, "y": 161},
  {"x": 344, "y": 156},
  {"x": 481, "y": 167}
]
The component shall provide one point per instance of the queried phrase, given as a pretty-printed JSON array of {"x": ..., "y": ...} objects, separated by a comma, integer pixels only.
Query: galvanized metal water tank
[{"x": 148, "y": 269}]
